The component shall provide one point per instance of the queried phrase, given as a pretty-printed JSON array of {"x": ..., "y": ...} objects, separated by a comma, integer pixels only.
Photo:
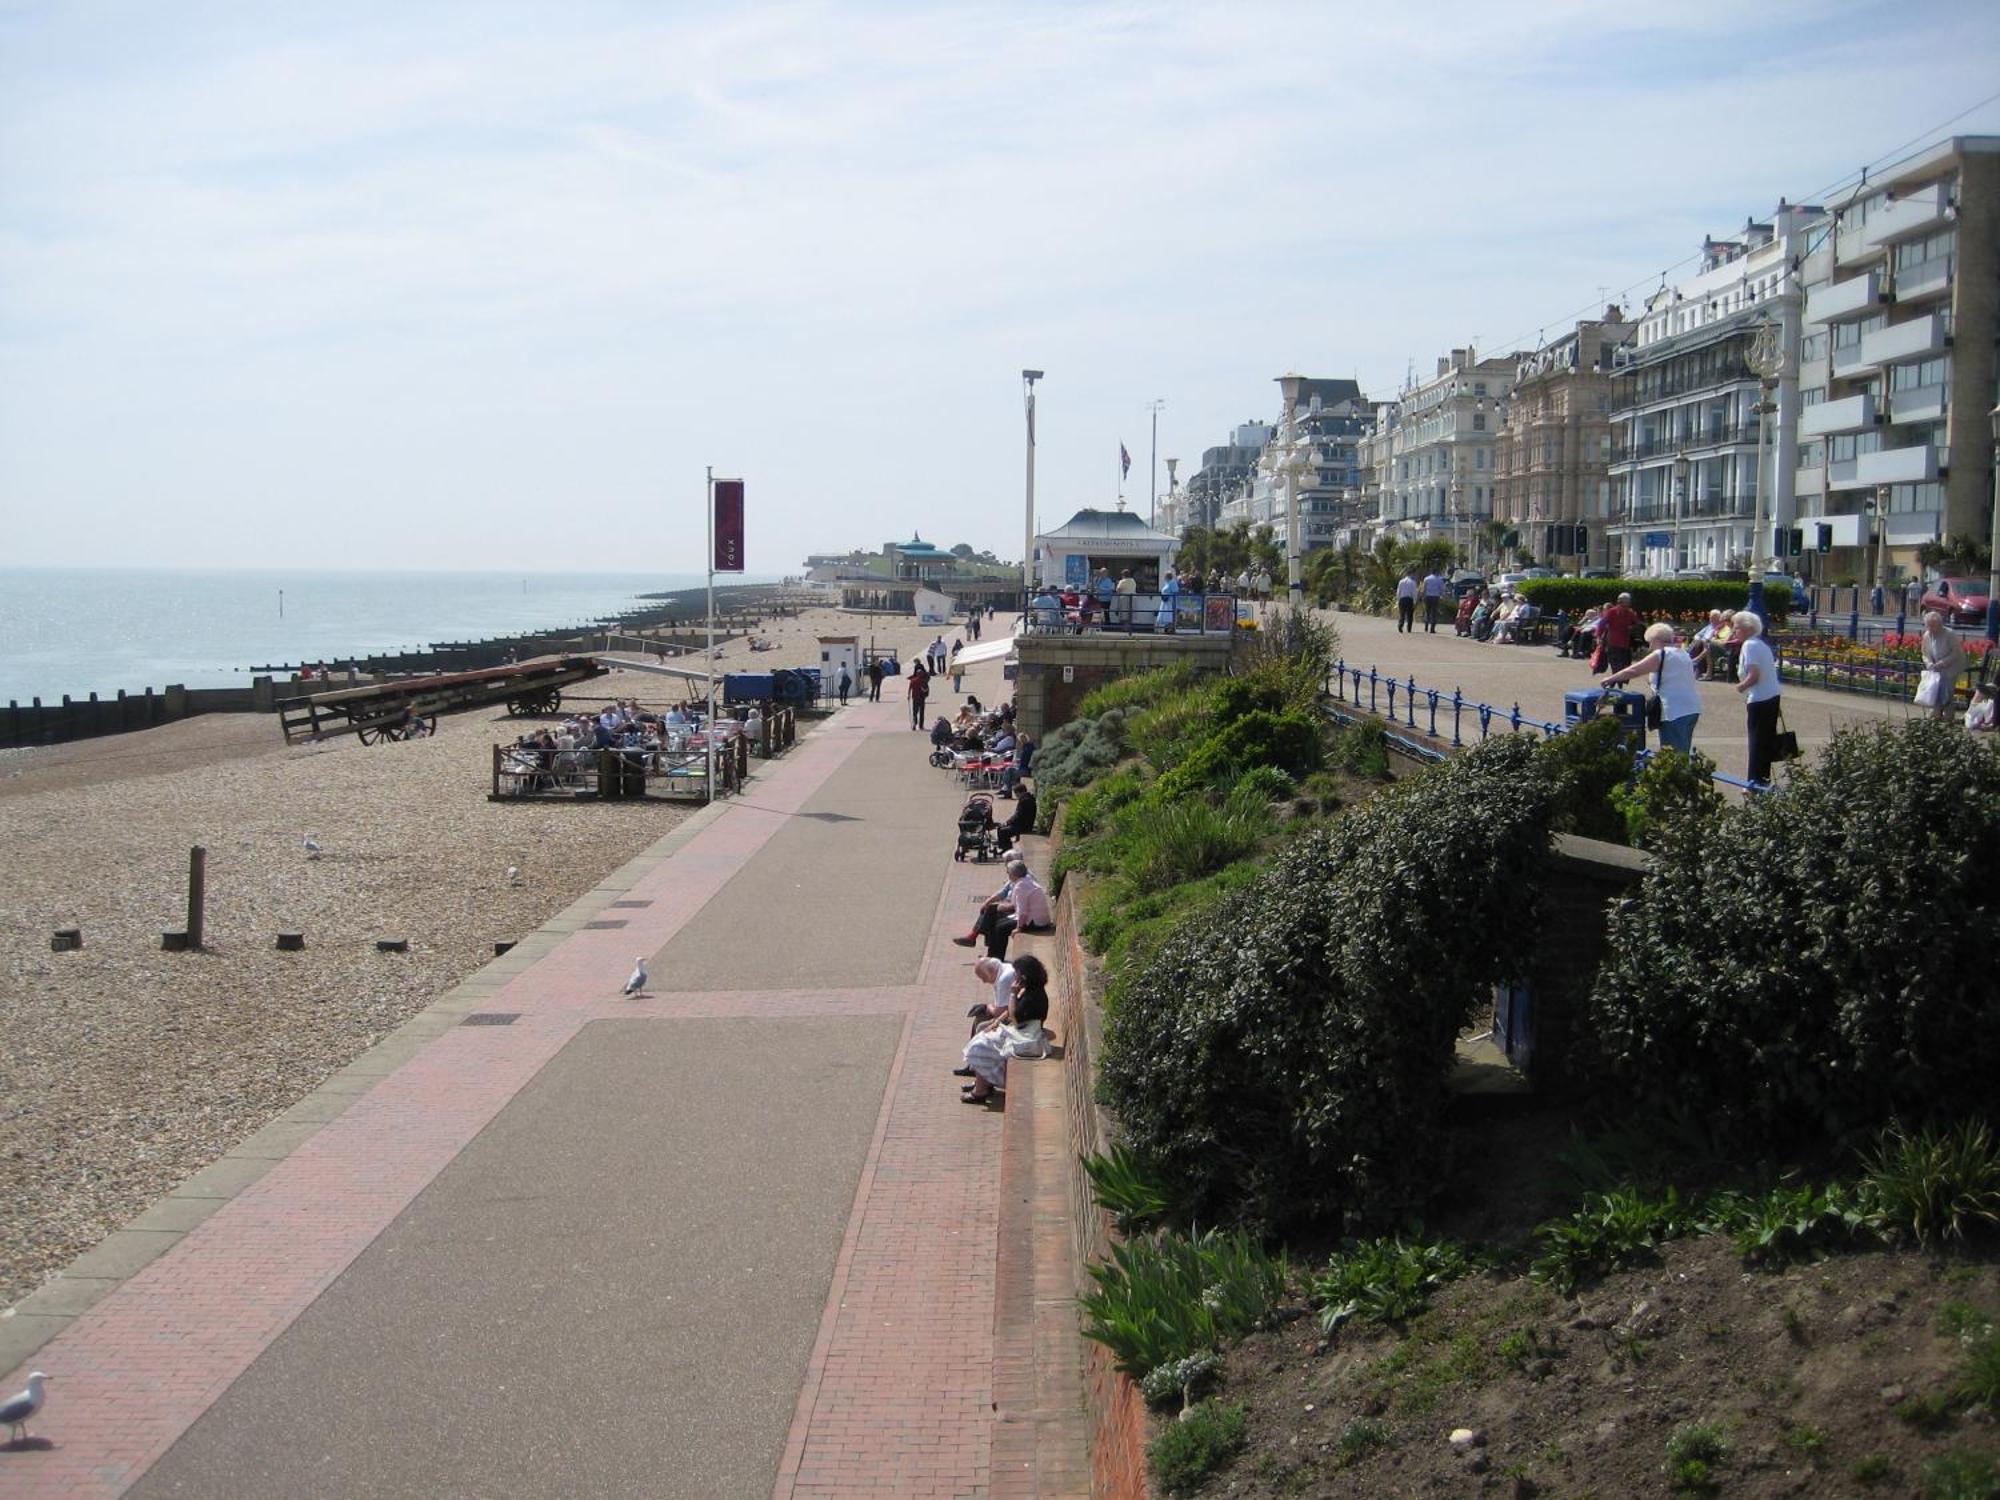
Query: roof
[{"x": 1107, "y": 526}]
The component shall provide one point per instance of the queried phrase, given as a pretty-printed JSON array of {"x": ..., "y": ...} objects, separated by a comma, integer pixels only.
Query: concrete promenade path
[
  {"x": 735, "y": 1237},
  {"x": 1536, "y": 678}
]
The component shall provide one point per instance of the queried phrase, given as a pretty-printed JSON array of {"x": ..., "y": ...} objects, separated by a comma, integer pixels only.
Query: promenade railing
[
  {"x": 1432, "y": 712},
  {"x": 1132, "y": 614}
]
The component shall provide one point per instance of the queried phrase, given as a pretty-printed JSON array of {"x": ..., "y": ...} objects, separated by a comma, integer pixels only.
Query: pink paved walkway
[{"x": 898, "y": 1398}]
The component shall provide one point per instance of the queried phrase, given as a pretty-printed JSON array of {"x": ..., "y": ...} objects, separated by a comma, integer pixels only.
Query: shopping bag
[{"x": 1930, "y": 689}]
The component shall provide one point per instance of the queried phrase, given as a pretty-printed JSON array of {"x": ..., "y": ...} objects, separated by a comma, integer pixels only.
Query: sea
[{"x": 79, "y": 631}]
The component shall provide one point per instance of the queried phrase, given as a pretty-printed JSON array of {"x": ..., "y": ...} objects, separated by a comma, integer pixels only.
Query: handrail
[{"x": 1342, "y": 677}]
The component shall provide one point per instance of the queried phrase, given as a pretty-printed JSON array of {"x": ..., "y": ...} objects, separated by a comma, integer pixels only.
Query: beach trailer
[{"x": 409, "y": 706}]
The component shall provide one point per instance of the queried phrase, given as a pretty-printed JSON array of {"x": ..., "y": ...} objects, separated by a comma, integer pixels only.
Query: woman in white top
[
  {"x": 1673, "y": 673},
  {"x": 1944, "y": 664},
  {"x": 1757, "y": 681}
]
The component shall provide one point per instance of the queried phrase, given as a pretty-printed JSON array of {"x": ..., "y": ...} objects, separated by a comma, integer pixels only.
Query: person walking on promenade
[
  {"x": 1757, "y": 681},
  {"x": 846, "y": 684},
  {"x": 1434, "y": 587},
  {"x": 919, "y": 690},
  {"x": 1406, "y": 601},
  {"x": 1672, "y": 671},
  {"x": 875, "y": 679},
  {"x": 1944, "y": 663},
  {"x": 1617, "y": 630}
]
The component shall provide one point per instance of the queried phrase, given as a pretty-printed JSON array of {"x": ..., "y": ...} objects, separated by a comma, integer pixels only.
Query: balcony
[
  {"x": 1844, "y": 299},
  {"x": 1913, "y": 465},
  {"x": 1926, "y": 403},
  {"x": 1850, "y": 361},
  {"x": 1847, "y": 415},
  {"x": 1925, "y": 279},
  {"x": 1841, "y": 475},
  {"x": 1814, "y": 372},
  {"x": 1852, "y": 244},
  {"x": 1810, "y": 481},
  {"x": 1911, "y": 213},
  {"x": 1918, "y": 336}
]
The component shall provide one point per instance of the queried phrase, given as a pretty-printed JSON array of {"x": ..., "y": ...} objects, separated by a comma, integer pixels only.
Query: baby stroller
[
  {"x": 941, "y": 742},
  {"x": 975, "y": 830}
]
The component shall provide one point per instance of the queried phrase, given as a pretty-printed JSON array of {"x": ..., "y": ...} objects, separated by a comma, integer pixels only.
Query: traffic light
[
  {"x": 1797, "y": 539},
  {"x": 1825, "y": 537}
]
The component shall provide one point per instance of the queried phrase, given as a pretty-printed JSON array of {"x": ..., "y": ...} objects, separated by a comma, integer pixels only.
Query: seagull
[
  {"x": 638, "y": 980},
  {"x": 16, "y": 1410},
  {"x": 312, "y": 846},
  {"x": 513, "y": 874}
]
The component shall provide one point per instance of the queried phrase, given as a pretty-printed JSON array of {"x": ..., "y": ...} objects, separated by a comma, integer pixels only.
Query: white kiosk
[
  {"x": 835, "y": 652},
  {"x": 1115, "y": 540}
]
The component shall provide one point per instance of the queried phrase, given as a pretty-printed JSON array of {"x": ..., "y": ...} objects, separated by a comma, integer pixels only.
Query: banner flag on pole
[
  {"x": 1124, "y": 462},
  {"x": 729, "y": 526}
]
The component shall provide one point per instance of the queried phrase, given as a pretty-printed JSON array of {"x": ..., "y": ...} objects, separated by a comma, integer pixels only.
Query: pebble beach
[{"x": 124, "y": 1069}]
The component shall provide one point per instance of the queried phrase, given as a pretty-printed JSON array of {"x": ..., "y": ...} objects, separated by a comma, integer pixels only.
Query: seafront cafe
[{"x": 1114, "y": 540}]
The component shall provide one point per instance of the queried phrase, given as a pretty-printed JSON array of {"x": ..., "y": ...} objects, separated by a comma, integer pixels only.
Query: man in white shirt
[
  {"x": 1406, "y": 602},
  {"x": 1021, "y": 905}
]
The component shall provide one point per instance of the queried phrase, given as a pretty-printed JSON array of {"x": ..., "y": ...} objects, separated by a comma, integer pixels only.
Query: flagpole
[{"x": 708, "y": 664}]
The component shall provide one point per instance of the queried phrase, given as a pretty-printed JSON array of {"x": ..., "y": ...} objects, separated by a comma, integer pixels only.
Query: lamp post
[
  {"x": 1993, "y": 559},
  {"x": 1028, "y": 379},
  {"x": 1153, "y": 469},
  {"x": 1679, "y": 502},
  {"x": 1766, "y": 358}
]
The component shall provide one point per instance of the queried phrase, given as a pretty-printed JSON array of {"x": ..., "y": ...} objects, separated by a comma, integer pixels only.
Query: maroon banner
[{"x": 729, "y": 526}]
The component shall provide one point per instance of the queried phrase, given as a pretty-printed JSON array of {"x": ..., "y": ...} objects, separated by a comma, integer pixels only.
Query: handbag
[
  {"x": 1784, "y": 743},
  {"x": 1653, "y": 712}
]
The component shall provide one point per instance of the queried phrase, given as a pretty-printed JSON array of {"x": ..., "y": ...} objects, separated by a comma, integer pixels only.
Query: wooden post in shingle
[{"x": 197, "y": 893}]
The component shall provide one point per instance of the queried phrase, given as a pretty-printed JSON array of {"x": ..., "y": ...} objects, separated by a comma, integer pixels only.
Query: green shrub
[
  {"x": 1610, "y": 1230},
  {"x": 1291, "y": 741},
  {"x": 1072, "y": 754},
  {"x": 1786, "y": 1224},
  {"x": 1167, "y": 733},
  {"x": 1090, "y": 808},
  {"x": 1283, "y": 1055},
  {"x": 1385, "y": 1280},
  {"x": 1187, "y": 839},
  {"x": 1588, "y": 764},
  {"x": 1978, "y": 1381},
  {"x": 1361, "y": 748},
  {"x": 1187, "y": 1452},
  {"x": 1960, "y": 1476},
  {"x": 1140, "y": 690},
  {"x": 1165, "y": 1296},
  {"x": 1180, "y": 1380},
  {"x": 1360, "y": 1438},
  {"x": 1265, "y": 783},
  {"x": 1694, "y": 1453},
  {"x": 1673, "y": 796},
  {"x": 1935, "y": 1184},
  {"x": 1121, "y": 1185},
  {"x": 1811, "y": 965}
]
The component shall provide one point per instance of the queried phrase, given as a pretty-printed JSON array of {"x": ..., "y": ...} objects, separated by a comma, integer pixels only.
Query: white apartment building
[
  {"x": 1684, "y": 421},
  {"x": 1433, "y": 453},
  {"x": 1897, "y": 369}
]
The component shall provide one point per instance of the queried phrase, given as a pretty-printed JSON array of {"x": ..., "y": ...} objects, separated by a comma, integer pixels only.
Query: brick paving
[{"x": 909, "y": 1378}]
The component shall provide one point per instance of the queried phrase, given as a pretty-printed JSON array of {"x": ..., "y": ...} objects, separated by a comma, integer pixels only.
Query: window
[
  {"x": 1813, "y": 345},
  {"x": 1933, "y": 371},
  {"x": 1479, "y": 458},
  {"x": 1914, "y": 253},
  {"x": 1479, "y": 421},
  {"x": 1479, "y": 388},
  {"x": 1812, "y": 397},
  {"x": 1812, "y": 454}
]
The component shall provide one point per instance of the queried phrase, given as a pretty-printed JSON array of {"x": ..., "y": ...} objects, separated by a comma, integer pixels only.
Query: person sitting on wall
[
  {"x": 1021, "y": 905},
  {"x": 1022, "y": 823}
]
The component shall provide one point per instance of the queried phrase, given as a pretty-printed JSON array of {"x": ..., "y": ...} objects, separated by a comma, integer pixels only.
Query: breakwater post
[{"x": 197, "y": 893}]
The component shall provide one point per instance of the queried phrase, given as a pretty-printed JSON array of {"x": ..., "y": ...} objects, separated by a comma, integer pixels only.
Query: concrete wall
[{"x": 1058, "y": 671}]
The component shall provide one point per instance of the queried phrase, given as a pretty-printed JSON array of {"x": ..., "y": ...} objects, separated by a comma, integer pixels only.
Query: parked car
[
  {"x": 1599, "y": 573},
  {"x": 1962, "y": 601},
  {"x": 1507, "y": 581},
  {"x": 1540, "y": 573},
  {"x": 1465, "y": 581},
  {"x": 1692, "y": 573}
]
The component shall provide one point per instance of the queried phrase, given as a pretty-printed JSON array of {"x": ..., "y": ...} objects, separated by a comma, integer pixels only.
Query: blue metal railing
[{"x": 1349, "y": 685}]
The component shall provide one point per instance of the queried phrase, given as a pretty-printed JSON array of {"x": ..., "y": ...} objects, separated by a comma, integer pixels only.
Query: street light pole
[
  {"x": 1993, "y": 558},
  {"x": 1679, "y": 500},
  {"x": 1766, "y": 358},
  {"x": 1028, "y": 379},
  {"x": 1153, "y": 469}
]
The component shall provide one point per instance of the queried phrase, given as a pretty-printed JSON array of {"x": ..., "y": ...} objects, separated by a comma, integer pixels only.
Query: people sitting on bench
[{"x": 1021, "y": 905}]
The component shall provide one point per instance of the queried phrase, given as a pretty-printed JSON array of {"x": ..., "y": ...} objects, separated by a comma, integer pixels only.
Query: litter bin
[{"x": 1629, "y": 709}]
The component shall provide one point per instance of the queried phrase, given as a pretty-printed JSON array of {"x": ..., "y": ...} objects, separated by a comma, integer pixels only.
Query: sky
[{"x": 489, "y": 286}]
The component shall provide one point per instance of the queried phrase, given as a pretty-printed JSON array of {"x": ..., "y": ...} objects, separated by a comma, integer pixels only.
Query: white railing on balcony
[
  {"x": 1908, "y": 214},
  {"x": 1809, "y": 481},
  {"x": 1913, "y": 465},
  {"x": 1926, "y": 403},
  {"x": 1846, "y": 415},
  {"x": 1843, "y": 299},
  {"x": 1904, "y": 340}
]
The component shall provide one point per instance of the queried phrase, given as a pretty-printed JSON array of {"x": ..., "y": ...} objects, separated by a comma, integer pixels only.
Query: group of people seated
[
  {"x": 570, "y": 747},
  {"x": 1013, "y": 1021},
  {"x": 1502, "y": 616}
]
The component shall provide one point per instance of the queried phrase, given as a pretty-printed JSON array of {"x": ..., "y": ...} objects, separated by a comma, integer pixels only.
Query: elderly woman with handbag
[
  {"x": 1944, "y": 663},
  {"x": 1757, "y": 681},
  {"x": 1677, "y": 697}
]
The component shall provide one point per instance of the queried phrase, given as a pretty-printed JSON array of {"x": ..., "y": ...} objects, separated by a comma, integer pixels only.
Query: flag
[
  {"x": 728, "y": 524},
  {"x": 1124, "y": 461}
]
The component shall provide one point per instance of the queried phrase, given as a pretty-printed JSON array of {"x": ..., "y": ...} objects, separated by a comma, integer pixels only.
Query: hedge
[{"x": 1651, "y": 596}]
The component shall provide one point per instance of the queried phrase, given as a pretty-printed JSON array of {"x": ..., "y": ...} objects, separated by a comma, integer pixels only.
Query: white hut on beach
[{"x": 1114, "y": 540}]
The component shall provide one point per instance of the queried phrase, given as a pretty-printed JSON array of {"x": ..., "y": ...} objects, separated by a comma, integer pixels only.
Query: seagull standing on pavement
[
  {"x": 513, "y": 874},
  {"x": 638, "y": 980},
  {"x": 16, "y": 1410},
  {"x": 312, "y": 846}
]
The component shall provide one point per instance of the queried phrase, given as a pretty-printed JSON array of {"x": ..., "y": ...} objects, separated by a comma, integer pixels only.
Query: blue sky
[{"x": 487, "y": 286}]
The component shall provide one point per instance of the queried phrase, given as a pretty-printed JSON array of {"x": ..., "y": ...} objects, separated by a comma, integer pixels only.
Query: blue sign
[
  {"x": 1076, "y": 570},
  {"x": 1657, "y": 539}
]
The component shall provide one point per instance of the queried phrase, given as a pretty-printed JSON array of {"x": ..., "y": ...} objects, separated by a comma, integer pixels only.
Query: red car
[{"x": 1962, "y": 601}]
